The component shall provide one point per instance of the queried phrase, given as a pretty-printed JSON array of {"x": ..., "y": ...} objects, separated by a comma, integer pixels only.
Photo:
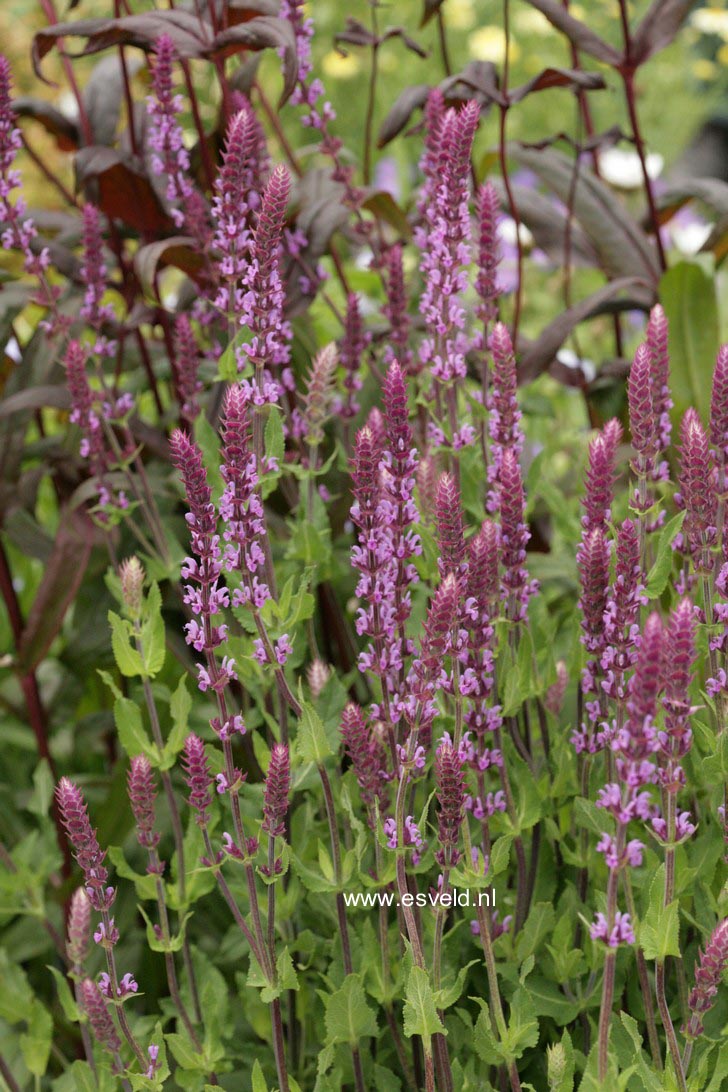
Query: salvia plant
[{"x": 364, "y": 673}]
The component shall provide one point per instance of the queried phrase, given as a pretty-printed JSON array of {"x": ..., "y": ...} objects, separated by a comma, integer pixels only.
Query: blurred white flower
[
  {"x": 622, "y": 168},
  {"x": 711, "y": 21},
  {"x": 575, "y": 363}
]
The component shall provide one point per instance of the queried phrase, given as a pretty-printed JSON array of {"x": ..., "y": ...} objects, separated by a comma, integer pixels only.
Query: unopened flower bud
[{"x": 131, "y": 575}]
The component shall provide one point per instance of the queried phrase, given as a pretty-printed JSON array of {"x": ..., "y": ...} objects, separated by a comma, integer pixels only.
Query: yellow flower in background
[
  {"x": 722, "y": 55},
  {"x": 489, "y": 44},
  {"x": 532, "y": 22},
  {"x": 703, "y": 69},
  {"x": 460, "y": 14},
  {"x": 341, "y": 68}
]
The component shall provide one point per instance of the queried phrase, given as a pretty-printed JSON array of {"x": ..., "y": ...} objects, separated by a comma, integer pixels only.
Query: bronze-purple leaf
[
  {"x": 176, "y": 250},
  {"x": 183, "y": 27},
  {"x": 539, "y": 354},
  {"x": 577, "y": 32},
  {"x": 124, "y": 192},
  {"x": 558, "y": 77},
  {"x": 263, "y": 32},
  {"x": 623, "y": 247},
  {"x": 58, "y": 587},
  {"x": 658, "y": 28},
  {"x": 411, "y": 99},
  {"x": 64, "y": 129}
]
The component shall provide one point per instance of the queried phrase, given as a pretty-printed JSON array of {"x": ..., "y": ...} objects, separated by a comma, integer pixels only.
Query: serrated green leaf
[
  {"x": 660, "y": 928},
  {"x": 132, "y": 736},
  {"x": 659, "y": 574},
  {"x": 126, "y": 656},
  {"x": 348, "y": 1016},
  {"x": 275, "y": 441},
  {"x": 185, "y": 1054},
  {"x": 311, "y": 742},
  {"x": 420, "y": 1011},
  {"x": 152, "y": 633}
]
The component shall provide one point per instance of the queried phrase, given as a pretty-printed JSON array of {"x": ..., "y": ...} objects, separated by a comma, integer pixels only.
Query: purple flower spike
[
  {"x": 235, "y": 203},
  {"x": 170, "y": 157},
  {"x": 198, "y": 778},
  {"x": 593, "y": 566},
  {"x": 395, "y": 310},
  {"x": 19, "y": 230},
  {"x": 642, "y": 420},
  {"x": 719, "y": 407},
  {"x": 708, "y": 974},
  {"x": 353, "y": 344},
  {"x": 600, "y": 476},
  {"x": 93, "y": 276},
  {"x": 656, "y": 341},
  {"x": 449, "y": 520},
  {"x": 488, "y": 253},
  {"x": 263, "y": 297},
  {"x": 185, "y": 369},
  {"x": 142, "y": 792},
  {"x": 79, "y": 929},
  {"x": 443, "y": 240},
  {"x": 517, "y": 587},
  {"x": 623, "y": 603},
  {"x": 366, "y": 755},
  {"x": 451, "y": 798},
  {"x": 504, "y": 420},
  {"x": 277, "y": 788},
  {"x": 99, "y": 1018},
  {"x": 82, "y": 837},
  {"x": 696, "y": 488}
]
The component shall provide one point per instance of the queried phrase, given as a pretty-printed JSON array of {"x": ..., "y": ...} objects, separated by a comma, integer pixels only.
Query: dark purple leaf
[
  {"x": 58, "y": 587},
  {"x": 478, "y": 80},
  {"x": 623, "y": 247},
  {"x": 547, "y": 223},
  {"x": 103, "y": 95},
  {"x": 558, "y": 77},
  {"x": 183, "y": 27},
  {"x": 411, "y": 99},
  {"x": 384, "y": 207},
  {"x": 177, "y": 250},
  {"x": 124, "y": 192},
  {"x": 263, "y": 32},
  {"x": 578, "y": 33},
  {"x": 53, "y": 121},
  {"x": 430, "y": 8},
  {"x": 539, "y": 354},
  {"x": 658, "y": 28},
  {"x": 36, "y": 398}
]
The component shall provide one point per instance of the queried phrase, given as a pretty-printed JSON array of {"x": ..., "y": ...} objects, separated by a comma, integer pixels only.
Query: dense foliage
[{"x": 364, "y": 703}]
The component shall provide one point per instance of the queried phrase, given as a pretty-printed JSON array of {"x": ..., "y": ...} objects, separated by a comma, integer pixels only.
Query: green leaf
[
  {"x": 179, "y": 708},
  {"x": 448, "y": 995},
  {"x": 522, "y": 1024},
  {"x": 311, "y": 742},
  {"x": 420, "y": 1011},
  {"x": 561, "y": 1065},
  {"x": 348, "y": 1016},
  {"x": 208, "y": 442},
  {"x": 185, "y": 1054},
  {"x": 152, "y": 633},
  {"x": 660, "y": 572},
  {"x": 486, "y": 1045},
  {"x": 43, "y": 787},
  {"x": 132, "y": 736},
  {"x": 659, "y": 931},
  {"x": 275, "y": 443},
  {"x": 127, "y": 658},
  {"x": 258, "y": 1080},
  {"x": 145, "y": 883},
  {"x": 688, "y": 297},
  {"x": 68, "y": 1001},
  {"x": 35, "y": 1044},
  {"x": 227, "y": 365},
  {"x": 537, "y": 927}
]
